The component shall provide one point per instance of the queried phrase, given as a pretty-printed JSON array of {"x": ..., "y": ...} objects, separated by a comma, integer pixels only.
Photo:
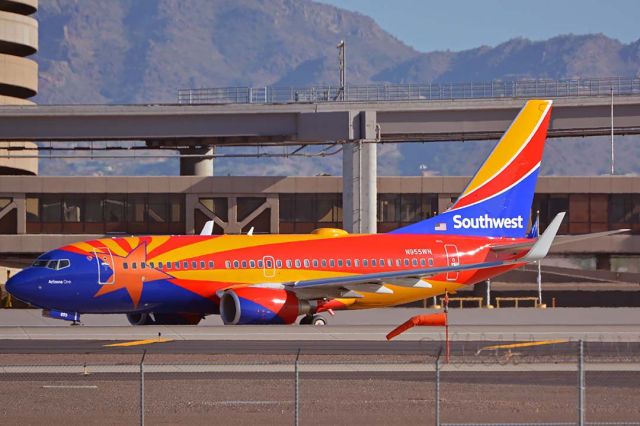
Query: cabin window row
[{"x": 332, "y": 263}]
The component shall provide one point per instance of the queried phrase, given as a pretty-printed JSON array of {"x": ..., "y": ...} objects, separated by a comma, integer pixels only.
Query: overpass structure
[{"x": 196, "y": 128}]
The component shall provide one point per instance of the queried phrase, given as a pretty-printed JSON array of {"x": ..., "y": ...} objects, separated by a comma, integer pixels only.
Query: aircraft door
[
  {"x": 269, "y": 268},
  {"x": 453, "y": 259},
  {"x": 106, "y": 270}
]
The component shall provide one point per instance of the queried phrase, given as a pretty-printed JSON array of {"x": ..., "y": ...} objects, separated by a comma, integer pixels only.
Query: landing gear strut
[{"x": 313, "y": 320}]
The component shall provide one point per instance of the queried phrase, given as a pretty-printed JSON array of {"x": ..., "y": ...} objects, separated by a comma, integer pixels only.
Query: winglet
[
  {"x": 207, "y": 229},
  {"x": 542, "y": 246}
]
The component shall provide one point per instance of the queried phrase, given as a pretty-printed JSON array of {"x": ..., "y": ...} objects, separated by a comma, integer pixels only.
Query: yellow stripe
[
  {"x": 230, "y": 242},
  {"x": 253, "y": 275},
  {"x": 84, "y": 247},
  {"x": 138, "y": 343},
  {"x": 523, "y": 345},
  {"x": 114, "y": 247},
  {"x": 510, "y": 143},
  {"x": 156, "y": 242}
]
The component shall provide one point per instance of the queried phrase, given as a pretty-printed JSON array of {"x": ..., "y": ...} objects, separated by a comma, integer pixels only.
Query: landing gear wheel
[
  {"x": 318, "y": 320},
  {"x": 306, "y": 320}
]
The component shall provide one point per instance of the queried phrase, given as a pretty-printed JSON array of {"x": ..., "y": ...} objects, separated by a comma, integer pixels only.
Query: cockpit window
[{"x": 55, "y": 264}]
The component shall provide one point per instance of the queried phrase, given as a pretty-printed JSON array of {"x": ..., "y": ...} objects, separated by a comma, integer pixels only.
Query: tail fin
[{"x": 497, "y": 201}]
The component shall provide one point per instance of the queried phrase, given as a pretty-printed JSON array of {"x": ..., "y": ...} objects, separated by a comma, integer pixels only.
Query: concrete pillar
[
  {"x": 197, "y": 166},
  {"x": 359, "y": 174}
]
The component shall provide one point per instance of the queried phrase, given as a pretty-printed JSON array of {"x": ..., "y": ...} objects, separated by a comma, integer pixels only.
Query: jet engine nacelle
[{"x": 259, "y": 305}]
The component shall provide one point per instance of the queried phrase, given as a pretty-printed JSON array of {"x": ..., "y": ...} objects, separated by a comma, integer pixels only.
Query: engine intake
[{"x": 256, "y": 305}]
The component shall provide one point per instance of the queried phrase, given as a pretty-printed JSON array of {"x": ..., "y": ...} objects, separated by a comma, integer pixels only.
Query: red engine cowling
[{"x": 261, "y": 305}]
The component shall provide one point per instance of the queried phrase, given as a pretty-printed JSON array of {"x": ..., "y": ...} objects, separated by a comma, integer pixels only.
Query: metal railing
[{"x": 620, "y": 86}]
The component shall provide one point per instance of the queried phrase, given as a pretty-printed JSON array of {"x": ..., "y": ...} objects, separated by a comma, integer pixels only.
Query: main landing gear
[{"x": 313, "y": 320}]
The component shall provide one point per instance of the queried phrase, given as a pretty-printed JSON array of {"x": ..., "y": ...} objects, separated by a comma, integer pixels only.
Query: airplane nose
[
  {"x": 10, "y": 285},
  {"x": 17, "y": 286}
]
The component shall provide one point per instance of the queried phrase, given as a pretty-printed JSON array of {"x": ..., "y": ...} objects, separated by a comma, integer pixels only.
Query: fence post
[
  {"x": 297, "y": 390},
  {"x": 581, "y": 383},
  {"x": 144, "y": 353},
  {"x": 437, "y": 398}
]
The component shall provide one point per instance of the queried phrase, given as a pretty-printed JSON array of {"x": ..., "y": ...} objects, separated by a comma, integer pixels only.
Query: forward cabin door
[
  {"x": 106, "y": 270},
  {"x": 453, "y": 259}
]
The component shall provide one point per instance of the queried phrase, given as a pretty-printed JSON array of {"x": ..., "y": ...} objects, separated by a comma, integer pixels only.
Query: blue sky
[{"x": 430, "y": 25}]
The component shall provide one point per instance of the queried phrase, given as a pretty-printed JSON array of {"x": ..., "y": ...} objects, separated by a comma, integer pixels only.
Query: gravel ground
[{"x": 354, "y": 398}]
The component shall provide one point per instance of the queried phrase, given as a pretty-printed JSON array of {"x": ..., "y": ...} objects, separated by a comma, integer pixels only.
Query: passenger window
[
  {"x": 244, "y": 264},
  {"x": 176, "y": 265},
  {"x": 332, "y": 262},
  {"x": 202, "y": 265},
  {"x": 194, "y": 264},
  {"x": 306, "y": 263},
  {"x": 151, "y": 265},
  {"x": 348, "y": 262},
  {"x": 430, "y": 262},
  {"x": 414, "y": 262},
  {"x": 365, "y": 262},
  {"x": 160, "y": 265},
  {"x": 261, "y": 264},
  {"x": 324, "y": 263},
  {"x": 374, "y": 263},
  {"x": 236, "y": 264},
  {"x": 185, "y": 265},
  {"x": 227, "y": 264},
  {"x": 398, "y": 262},
  {"x": 211, "y": 264},
  {"x": 356, "y": 263},
  {"x": 125, "y": 265},
  {"x": 423, "y": 262},
  {"x": 252, "y": 263},
  {"x": 278, "y": 263},
  {"x": 298, "y": 263},
  {"x": 168, "y": 265},
  {"x": 143, "y": 265},
  {"x": 406, "y": 262},
  {"x": 134, "y": 265},
  {"x": 315, "y": 263},
  {"x": 339, "y": 263},
  {"x": 64, "y": 263}
]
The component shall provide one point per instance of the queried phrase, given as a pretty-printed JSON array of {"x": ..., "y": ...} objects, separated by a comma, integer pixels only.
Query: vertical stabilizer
[{"x": 497, "y": 200}]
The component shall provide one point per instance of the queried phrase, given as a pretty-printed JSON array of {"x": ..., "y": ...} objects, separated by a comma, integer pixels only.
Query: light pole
[{"x": 342, "y": 64}]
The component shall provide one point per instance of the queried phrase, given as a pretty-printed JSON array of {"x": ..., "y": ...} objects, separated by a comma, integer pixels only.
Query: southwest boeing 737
[{"x": 275, "y": 279}]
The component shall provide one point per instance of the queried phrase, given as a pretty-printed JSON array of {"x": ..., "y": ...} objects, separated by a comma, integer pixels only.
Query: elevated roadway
[{"x": 294, "y": 123}]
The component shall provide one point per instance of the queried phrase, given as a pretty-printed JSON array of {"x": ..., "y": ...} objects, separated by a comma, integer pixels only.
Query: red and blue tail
[{"x": 497, "y": 201}]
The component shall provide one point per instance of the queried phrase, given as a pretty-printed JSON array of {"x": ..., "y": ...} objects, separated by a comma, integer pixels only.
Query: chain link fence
[
  {"x": 482, "y": 383},
  {"x": 617, "y": 86}
]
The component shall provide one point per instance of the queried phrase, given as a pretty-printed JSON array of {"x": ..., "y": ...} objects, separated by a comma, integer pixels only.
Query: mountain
[
  {"x": 143, "y": 51},
  {"x": 123, "y": 51}
]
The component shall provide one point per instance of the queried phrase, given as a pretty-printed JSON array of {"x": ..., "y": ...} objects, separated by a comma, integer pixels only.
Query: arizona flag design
[{"x": 497, "y": 201}]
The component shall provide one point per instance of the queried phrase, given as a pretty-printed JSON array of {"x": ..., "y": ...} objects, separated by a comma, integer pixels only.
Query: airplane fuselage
[{"x": 185, "y": 273}]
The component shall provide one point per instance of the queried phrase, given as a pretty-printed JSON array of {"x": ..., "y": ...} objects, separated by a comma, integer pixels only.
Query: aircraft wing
[
  {"x": 560, "y": 240},
  {"x": 348, "y": 286}
]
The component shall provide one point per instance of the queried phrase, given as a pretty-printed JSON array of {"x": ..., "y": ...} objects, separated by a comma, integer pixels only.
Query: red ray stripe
[{"x": 526, "y": 160}]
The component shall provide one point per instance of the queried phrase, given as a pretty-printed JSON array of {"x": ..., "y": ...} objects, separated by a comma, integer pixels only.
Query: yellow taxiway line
[
  {"x": 523, "y": 345},
  {"x": 137, "y": 343}
]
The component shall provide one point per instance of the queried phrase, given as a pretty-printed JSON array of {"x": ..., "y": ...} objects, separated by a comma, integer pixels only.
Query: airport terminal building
[{"x": 40, "y": 213}]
